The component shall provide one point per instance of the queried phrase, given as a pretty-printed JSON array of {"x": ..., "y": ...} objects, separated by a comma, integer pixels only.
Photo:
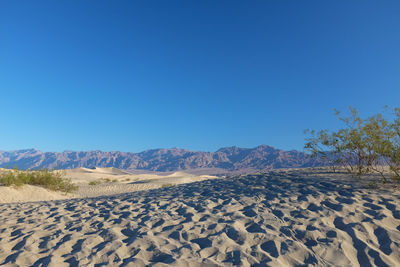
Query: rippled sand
[{"x": 285, "y": 218}]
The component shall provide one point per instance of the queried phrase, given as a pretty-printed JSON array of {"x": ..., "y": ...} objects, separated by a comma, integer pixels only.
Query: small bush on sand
[
  {"x": 97, "y": 182},
  {"x": 167, "y": 185},
  {"x": 52, "y": 180},
  {"x": 363, "y": 146}
]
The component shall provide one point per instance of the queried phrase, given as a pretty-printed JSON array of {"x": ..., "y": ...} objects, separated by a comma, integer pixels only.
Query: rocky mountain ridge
[{"x": 262, "y": 157}]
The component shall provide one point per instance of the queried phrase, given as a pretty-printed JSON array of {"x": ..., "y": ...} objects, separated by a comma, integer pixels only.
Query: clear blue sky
[{"x": 135, "y": 75}]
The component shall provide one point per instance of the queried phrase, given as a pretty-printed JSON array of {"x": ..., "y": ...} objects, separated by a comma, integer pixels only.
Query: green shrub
[
  {"x": 363, "y": 146},
  {"x": 44, "y": 178},
  {"x": 95, "y": 182},
  {"x": 167, "y": 185}
]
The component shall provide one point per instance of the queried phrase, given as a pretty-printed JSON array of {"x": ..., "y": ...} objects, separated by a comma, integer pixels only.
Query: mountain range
[{"x": 262, "y": 157}]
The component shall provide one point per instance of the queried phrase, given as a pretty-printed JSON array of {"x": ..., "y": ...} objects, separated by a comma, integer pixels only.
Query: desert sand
[
  {"x": 279, "y": 218},
  {"x": 107, "y": 181}
]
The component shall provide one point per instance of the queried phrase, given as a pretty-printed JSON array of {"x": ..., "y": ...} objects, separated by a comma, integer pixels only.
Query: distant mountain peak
[
  {"x": 265, "y": 146},
  {"x": 28, "y": 150}
]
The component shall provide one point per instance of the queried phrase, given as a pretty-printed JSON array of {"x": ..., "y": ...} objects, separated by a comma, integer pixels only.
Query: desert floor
[{"x": 280, "y": 218}]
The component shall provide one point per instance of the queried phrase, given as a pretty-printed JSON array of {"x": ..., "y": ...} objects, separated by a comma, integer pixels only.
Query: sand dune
[
  {"x": 29, "y": 193},
  {"x": 109, "y": 181},
  {"x": 286, "y": 218},
  {"x": 84, "y": 175},
  {"x": 110, "y": 171},
  {"x": 134, "y": 183}
]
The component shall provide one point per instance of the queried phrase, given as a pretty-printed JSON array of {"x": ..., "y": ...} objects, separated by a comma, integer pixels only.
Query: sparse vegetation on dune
[
  {"x": 363, "y": 146},
  {"x": 167, "y": 185},
  {"x": 103, "y": 180},
  {"x": 52, "y": 180},
  {"x": 96, "y": 182}
]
